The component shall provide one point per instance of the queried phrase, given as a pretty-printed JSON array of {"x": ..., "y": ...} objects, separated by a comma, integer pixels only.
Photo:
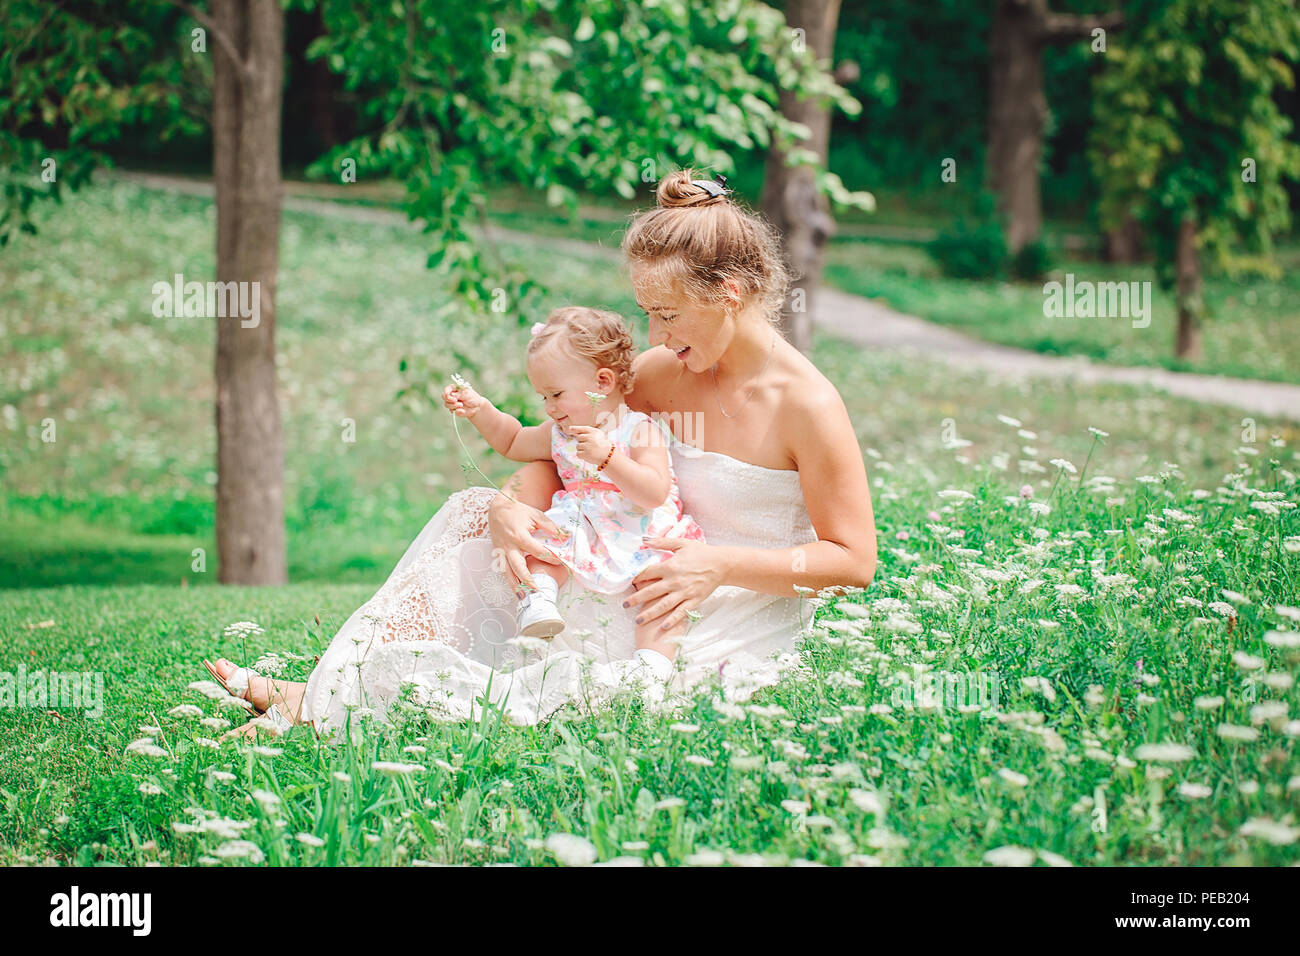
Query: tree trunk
[
  {"x": 1188, "y": 265},
  {"x": 1018, "y": 106},
  {"x": 1017, "y": 115},
  {"x": 790, "y": 197},
  {"x": 1123, "y": 244},
  {"x": 246, "y": 170}
]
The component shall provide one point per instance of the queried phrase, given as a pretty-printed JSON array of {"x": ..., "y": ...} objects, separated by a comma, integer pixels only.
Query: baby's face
[{"x": 563, "y": 380}]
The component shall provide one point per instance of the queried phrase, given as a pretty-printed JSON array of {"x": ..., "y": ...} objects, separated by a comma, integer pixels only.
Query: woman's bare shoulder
[{"x": 806, "y": 388}]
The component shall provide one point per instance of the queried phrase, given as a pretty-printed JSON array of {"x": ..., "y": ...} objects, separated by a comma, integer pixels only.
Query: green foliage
[
  {"x": 74, "y": 79},
  {"x": 1033, "y": 261},
  {"x": 974, "y": 247},
  {"x": 558, "y": 96},
  {"x": 1184, "y": 102}
]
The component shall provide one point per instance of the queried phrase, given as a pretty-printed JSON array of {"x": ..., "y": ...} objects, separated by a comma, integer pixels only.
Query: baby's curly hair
[{"x": 595, "y": 334}]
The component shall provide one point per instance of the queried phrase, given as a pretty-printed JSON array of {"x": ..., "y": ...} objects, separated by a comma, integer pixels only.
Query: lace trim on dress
[{"x": 416, "y": 603}]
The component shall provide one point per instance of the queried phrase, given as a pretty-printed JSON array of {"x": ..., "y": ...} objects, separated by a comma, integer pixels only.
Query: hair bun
[{"x": 682, "y": 189}]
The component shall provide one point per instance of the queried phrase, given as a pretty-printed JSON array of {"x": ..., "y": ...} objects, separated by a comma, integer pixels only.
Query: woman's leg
[{"x": 263, "y": 692}]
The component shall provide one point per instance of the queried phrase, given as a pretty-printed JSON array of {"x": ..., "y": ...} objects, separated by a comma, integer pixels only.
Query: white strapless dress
[{"x": 444, "y": 621}]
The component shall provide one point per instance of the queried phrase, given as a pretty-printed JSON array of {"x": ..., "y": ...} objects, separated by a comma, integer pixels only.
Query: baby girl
[{"x": 619, "y": 487}]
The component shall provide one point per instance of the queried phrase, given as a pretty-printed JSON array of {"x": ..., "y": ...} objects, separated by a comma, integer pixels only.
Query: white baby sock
[
  {"x": 546, "y": 586},
  {"x": 659, "y": 665}
]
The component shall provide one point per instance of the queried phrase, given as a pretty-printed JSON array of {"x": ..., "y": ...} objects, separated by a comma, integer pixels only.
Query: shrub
[{"x": 974, "y": 248}]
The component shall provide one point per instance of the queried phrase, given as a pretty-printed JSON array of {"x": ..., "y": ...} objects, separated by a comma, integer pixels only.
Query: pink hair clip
[{"x": 538, "y": 326}]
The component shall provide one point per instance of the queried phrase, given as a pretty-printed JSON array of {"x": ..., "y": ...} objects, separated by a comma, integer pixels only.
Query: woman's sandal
[{"x": 236, "y": 685}]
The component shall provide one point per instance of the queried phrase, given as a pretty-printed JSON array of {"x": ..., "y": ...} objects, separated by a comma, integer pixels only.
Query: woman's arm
[
  {"x": 834, "y": 481},
  {"x": 511, "y": 523}
]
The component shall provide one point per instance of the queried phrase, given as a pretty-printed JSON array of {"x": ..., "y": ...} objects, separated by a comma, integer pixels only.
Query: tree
[
  {"x": 247, "y": 90},
  {"x": 791, "y": 197},
  {"x": 1018, "y": 105},
  {"x": 555, "y": 94},
  {"x": 1189, "y": 141}
]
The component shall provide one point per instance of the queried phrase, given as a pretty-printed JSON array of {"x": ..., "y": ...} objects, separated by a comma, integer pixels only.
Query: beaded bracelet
[{"x": 602, "y": 465}]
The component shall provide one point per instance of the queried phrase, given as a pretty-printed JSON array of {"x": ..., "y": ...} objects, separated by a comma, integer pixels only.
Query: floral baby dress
[{"x": 605, "y": 548}]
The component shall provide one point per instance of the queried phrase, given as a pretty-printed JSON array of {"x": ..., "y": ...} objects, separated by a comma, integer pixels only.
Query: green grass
[
  {"x": 1102, "y": 625},
  {"x": 1250, "y": 331},
  {"x": 97, "y": 532}
]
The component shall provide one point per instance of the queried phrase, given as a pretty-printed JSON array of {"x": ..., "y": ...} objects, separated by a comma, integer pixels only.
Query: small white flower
[
  {"x": 1194, "y": 791},
  {"x": 1009, "y": 856},
  {"x": 1165, "y": 752},
  {"x": 1008, "y": 420},
  {"x": 1237, "y": 732},
  {"x": 571, "y": 850},
  {"x": 1284, "y": 639},
  {"x": 239, "y": 849},
  {"x": 1040, "y": 684},
  {"x": 1014, "y": 779},
  {"x": 684, "y": 728},
  {"x": 1247, "y": 662},
  {"x": 396, "y": 768},
  {"x": 1278, "y": 834},
  {"x": 146, "y": 747},
  {"x": 797, "y": 807},
  {"x": 309, "y": 839}
]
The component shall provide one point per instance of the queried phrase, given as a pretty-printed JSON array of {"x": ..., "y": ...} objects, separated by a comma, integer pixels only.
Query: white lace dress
[{"x": 444, "y": 621}]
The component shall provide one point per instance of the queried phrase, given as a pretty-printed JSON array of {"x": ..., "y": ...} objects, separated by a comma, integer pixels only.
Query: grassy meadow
[{"x": 1079, "y": 648}]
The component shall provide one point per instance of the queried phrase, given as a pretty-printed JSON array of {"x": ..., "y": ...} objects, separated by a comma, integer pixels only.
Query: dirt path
[{"x": 870, "y": 324}]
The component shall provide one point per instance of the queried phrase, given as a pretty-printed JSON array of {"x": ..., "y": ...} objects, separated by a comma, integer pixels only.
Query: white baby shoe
[{"x": 538, "y": 615}]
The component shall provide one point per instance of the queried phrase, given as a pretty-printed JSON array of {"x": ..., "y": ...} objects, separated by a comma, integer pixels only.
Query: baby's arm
[
  {"x": 642, "y": 474},
  {"x": 503, "y": 432}
]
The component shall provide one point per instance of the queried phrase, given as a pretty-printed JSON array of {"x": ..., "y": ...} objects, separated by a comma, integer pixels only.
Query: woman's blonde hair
[
  {"x": 697, "y": 241},
  {"x": 594, "y": 334}
]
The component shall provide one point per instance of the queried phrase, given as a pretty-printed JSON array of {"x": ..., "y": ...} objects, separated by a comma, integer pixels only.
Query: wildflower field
[{"x": 1080, "y": 647}]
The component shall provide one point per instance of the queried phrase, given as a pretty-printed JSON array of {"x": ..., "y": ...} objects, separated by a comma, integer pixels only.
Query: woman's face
[{"x": 697, "y": 333}]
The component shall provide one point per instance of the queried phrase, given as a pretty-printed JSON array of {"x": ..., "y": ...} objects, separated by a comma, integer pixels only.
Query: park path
[{"x": 865, "y": 322}]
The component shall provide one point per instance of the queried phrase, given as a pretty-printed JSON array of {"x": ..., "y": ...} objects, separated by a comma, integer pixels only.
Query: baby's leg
[
  {"x": 557, "y": 572},
  {"x": 651, "y": 637}
]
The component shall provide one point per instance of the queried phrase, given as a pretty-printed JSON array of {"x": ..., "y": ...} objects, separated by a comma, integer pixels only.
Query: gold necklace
[{"x": 717, "y": 395}]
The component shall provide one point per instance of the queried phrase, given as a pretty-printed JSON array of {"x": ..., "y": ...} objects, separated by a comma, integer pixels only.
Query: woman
[{"x": 767, "y": 462}]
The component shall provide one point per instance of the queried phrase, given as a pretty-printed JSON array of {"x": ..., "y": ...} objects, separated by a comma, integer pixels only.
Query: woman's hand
[
  {"x": 667, "y": 590},
  {"x": 511, "y": 525}
]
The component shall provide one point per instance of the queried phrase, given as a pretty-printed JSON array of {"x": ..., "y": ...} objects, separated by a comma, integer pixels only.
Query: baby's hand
[
  {"x": 463, "y": 401},
  {"x": 593, "y": 443}
]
